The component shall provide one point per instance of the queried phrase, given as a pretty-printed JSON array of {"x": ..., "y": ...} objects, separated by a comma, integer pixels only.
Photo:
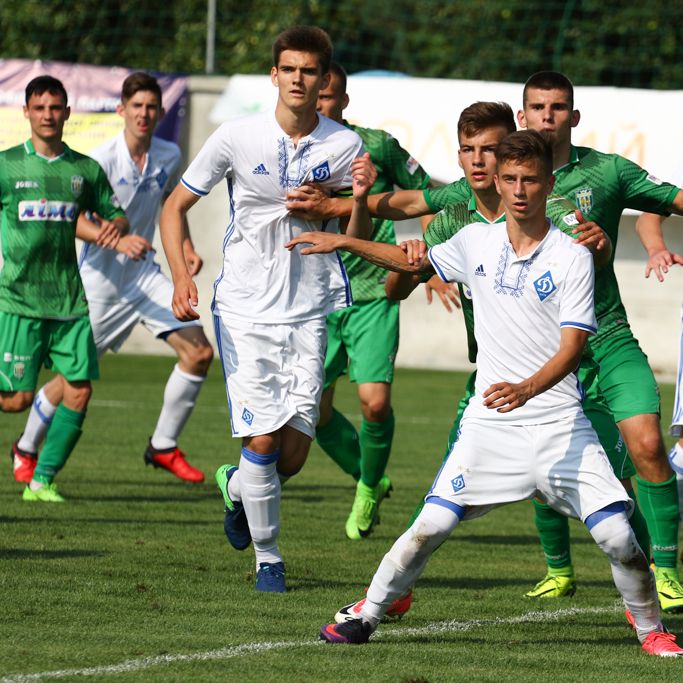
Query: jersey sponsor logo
[
  {"x": 321, "y": 172},
  {"x": 570, "y": 219},
  {"x": 480, "y": 270},
  {"x": 654, "y": 179},
  {"x": 26, "y": 185},
  {"x": 7, "y": 357},
  {"x": 47, "y": 210},
  {"x": 77, "y": 185},
  {"x": 162, "y": 178},
  {"x": 544, "y": 286},
  {"x": 412, "y": 165},
  {"x": 122, "y": 181},
  {"x": 583, "y": 198},
  {"x": 458, "y": 483},
  {"x": 261, "y": 170},
  {"x": 247, "y": 416}
]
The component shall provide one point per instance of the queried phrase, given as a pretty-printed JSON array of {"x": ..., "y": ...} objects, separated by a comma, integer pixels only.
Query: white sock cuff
[
  {"x": 186, "y": 375},
  {"x": 44, "y": 408}
]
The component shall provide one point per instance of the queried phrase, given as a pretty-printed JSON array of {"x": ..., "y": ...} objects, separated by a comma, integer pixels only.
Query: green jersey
[
  {"x": 41, "y": 200},
  {"x": 454, "y": 217},
  {"x": 440, "y": 197},
  {"x": 395, "y": 167},
  {"x": 602, "y": 186}
]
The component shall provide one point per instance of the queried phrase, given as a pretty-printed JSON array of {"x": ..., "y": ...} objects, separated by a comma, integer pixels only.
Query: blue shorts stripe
[
  {"x": 459, "y": 510},
  {"x": 607, "y": 511},
  {"x": 258, "y": 459}
]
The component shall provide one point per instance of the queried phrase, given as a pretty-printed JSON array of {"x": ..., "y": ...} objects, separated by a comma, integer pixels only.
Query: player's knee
[
  {"x": 198, "y": 358},
  {"x": 376, "y": 409},
  {"x": 77, "y": 396},
  {"x": 648, "y": 447},
  {"x": 16, "y": 401},
  {"x": 617, "y": 540}
]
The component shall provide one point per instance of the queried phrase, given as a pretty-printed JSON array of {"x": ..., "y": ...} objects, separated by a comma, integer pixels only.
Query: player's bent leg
[
  {"x": 15, "y": 401},
  {"x": 643, "y": 437},
  {"x": 40, "y": 416}
]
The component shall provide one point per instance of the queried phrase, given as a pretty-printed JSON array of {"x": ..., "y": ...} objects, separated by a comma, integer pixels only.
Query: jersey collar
[
  {"x": 573, "y": 159},
  {"x": 31, "y": 151},
  {"x": 472, "y": 208}
]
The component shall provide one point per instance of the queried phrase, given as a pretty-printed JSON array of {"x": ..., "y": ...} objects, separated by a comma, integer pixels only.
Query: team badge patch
[
  {"x": 18, "y": 370},
  {"x": 583, "y": 198},
  {"x": 321, "y": 172},
  {"x": 76, "y": 185},
  {"x": 247, "y": 416},
  {"x": 412, "y": 165},
  {"x": 544, "y": 286},
  {"x": 458, "y": 483}
]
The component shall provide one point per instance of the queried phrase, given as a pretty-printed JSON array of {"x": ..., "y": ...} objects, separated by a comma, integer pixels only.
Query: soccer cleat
[
  {"x": 173, "y": 460},
  {"x": 24, "y": 463},
  {"x": 235, "y": 522},
  {"x": 630, "y": 618},
  {"x": 396, "y": 610},
  {"x": 365, "y": 510},
  {"x": 662, "y": 644},
  {"x": 270, "y": 577},
  {"x": 46, "y": 494},
  {"x": 669, "y": 589},
  {"x": 553, "y": 587},
  {"x": 353, "y": 632}
]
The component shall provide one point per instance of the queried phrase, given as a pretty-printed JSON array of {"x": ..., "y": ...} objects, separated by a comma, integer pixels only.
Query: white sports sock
[
  {"x": 676, "y": 460},
  {"x": 180, "y": 395},
  {"x": 260, "y": 489},
  {"x": 234, "y": 489},
  {"x": 39, "y": 419},
  {"x": 406, "y": 560},
  {"x": 631, "y": 571}
]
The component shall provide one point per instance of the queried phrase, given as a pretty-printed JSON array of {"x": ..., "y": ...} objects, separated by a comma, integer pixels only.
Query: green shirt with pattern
[
  {"x": 41, "y": 199},
  {"x": 395, "y": 168}
]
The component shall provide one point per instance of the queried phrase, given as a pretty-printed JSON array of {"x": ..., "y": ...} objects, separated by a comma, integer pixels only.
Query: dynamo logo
[
  {"x": 458, "y": 483},
  {"x": 544, "y": 286},
  {"x": 47, "y": 210},
  {"x": 247, "y": 416},
  {"x": 321, "y": 172}
]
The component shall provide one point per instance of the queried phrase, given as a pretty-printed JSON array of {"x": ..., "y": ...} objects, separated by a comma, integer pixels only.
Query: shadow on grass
[
  {"x": 23, "y": 554},
  {"x": 109, "y": 520},
  {"x": 475, "y": 582}
]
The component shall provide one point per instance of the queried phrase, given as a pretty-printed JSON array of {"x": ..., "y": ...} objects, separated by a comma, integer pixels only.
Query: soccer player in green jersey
[
  {"x": 363, "y": 339},
  {"x": 603, "y": 185},
  {"x": 44, "y": 186}
]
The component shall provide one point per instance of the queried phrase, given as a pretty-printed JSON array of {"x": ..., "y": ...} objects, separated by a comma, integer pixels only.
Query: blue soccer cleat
[
  {"x": 270, "y": 577},
  {"x": 235, "y": 523}
]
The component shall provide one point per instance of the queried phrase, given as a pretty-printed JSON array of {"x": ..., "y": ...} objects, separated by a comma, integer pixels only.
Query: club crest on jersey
[
  {"x": 18, "y": 370},
  {"x": 458, "y": 483},
  {"x": 321, "y": 172},
  {"x": 583, "y": 197},
  {"x": 76, "y": 185},
  {"x": 247, "y": 416},
  {"x": 162, "y": 178},
  {"x": 544, "y": 286}
]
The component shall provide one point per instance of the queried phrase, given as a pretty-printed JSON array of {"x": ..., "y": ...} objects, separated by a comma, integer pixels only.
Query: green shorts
[
  {"x": 596, "y": 410},
  {"x": 625, "y": 378},
  {"x": 364, "y": 338},
  {"x": 65, "y": 346}
]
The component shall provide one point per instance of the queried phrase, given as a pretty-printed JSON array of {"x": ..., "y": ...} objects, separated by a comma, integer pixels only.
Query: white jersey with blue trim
[
  {"x": 262, "y": 282},
  {"x": 520, "y": 305},
  {"x": 109, "y": 276}
]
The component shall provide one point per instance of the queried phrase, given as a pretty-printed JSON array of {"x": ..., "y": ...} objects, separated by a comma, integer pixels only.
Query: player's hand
[
  {"x": 590, "y": 234},
  {"x": 134, "y": 247},
  {"x": 192, "y": 259},
  {"x": 661, "y": 261},
  {"x": 309, "y": 202},
  {"x": 320, "y": 242},
  {"x": 504, "y": 397},
  {"x": 446, "y": 291},
  {"x": 109, "y": 233},
  {"x": 414, "y": 250},
  {"x": 185, "y": 299},
  {"x": 364, "y": 175}
]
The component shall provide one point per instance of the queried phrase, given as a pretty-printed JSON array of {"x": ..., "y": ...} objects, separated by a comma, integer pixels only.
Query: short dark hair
[
  {"x": 340, "y": 72},
  {"x": 139, "y": 82},
  {"x": 526, "y": 145},
  {"x": 305, "y": 39},
  {"x": 549, "y": 80},
  {"x": 41, "y": 84},
  {"x": 482, "y": 115}
]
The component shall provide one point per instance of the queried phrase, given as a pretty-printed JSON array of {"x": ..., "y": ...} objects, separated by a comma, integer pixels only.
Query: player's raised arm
[
  {"x": 364, "y": 175},
  {"x": 172, "y": 231},
  {"x": 660, "y": 259}
]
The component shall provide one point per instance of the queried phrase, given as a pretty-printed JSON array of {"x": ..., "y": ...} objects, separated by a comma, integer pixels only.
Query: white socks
[
  {"x": 39, "y": 419},
  {"x": 180, "y": 396},
  {"x": 676, "y": 460}
]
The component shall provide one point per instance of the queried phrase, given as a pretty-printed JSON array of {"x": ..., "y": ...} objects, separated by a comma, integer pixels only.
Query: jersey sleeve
[
  {"x": 401, "y": 169},
  {"x": 562, "y": 212},
  {"x": 211, "y": 165},
  {"x": 440, "y": 197},
  {"x": 576, "y": 301},
  {"x": 641, "y": 190},
  {"x": 450, "y": 258},
  {"x": 105, "y": 201}
]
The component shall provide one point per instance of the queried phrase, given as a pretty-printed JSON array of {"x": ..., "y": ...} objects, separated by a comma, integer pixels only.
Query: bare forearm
[
  {"x": 400, "y": 286},
  {"x": 649, "y": 231},
  {"x": 387, "y": 256},
  {"x": 399, "y": 205},
  {"x": 360, "y": 223},
  {"x": 172, "y": 232}
]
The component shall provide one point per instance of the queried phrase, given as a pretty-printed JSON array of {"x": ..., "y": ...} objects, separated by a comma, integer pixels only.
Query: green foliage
[{"x": 621, "y": 44}]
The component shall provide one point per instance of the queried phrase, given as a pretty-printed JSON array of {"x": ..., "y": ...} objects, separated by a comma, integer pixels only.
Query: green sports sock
[
  {"x": 659, "y": 503},
  {"x": 62, "y": 436},
  {"x": 339, "y": 439},
  {"x": 553, "y": 530},
  {"x": 639, "y": 526},
  {"x": 375, "y": 447}
]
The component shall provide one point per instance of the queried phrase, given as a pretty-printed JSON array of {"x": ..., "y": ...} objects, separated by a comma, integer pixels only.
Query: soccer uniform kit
[
  {"x": 121, "y": 291},
  {"x": 43, "y": 308},
  {"x": 547, "y": 446},
  {"x": 269, "y": 304}
]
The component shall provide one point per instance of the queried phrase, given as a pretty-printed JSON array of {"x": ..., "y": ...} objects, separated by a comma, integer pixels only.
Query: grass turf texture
[{"x": 135, "y": 568}]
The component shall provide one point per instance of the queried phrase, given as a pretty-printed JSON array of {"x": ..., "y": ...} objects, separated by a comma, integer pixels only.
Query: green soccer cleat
[
  {"x": 46, "y": 494},
  {"x": 669, "y": 589},
  {"x": 365, "y": 510},
  {"x": 553, "y": 587}
]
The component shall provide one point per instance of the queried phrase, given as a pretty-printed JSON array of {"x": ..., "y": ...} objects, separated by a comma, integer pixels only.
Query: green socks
[
  {"x": 639, "y": 526},
  {"x": 375, "y": 448},
  {"x": 64, "y": 432},
  {"x": 339, "y": 439},
  {"x": 659, "y": 503},
  {"x": 553, "y": 531}
]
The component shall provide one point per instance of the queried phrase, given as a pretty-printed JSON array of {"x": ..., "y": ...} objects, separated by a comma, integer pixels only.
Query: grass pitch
[{"x": 132, "y": 579}]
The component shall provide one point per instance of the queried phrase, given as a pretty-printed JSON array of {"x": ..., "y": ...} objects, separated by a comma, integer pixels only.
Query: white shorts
[
  {"x": 677, "y": 419},
  {"x": 112, "y": 323},
  {"x": 561, "y": 462},
  {"x": 273, "y": 374}
]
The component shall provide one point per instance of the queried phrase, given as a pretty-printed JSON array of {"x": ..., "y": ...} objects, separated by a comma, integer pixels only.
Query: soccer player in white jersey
[
  {"x": 269, "y": 305},
  {"x": 124, "y": 289},
  {"x": 532, "y": 290}
]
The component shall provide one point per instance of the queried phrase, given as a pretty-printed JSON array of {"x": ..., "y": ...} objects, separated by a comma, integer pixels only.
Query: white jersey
[
  {"x": 520, "y": 304},
  {"x": 262, "y": 282},
  {"x": 107, "y": 275}
]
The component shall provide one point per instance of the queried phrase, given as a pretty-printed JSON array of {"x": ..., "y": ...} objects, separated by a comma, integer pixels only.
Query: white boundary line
[{"x": 132, "y": 665}]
